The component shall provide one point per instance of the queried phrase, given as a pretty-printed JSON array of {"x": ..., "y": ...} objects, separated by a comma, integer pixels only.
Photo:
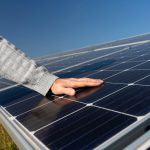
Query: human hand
[{"x": 67, "y": 85}]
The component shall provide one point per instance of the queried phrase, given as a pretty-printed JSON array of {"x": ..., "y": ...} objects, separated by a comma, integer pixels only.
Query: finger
[
  {"x": 87, "y": 80},
  {"x": 77, "y": 84},
  {"x": 68, "y": 91}
]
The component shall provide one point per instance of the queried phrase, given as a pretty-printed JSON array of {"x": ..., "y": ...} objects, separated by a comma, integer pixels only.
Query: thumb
[{"x": 68, "y": 91}]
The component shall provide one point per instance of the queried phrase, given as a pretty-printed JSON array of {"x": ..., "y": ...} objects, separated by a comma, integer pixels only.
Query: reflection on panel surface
[
  {"x": 90, "y": 95},
  {"x": 29, "y": 104},
  {"x": 48, "y": 113}
]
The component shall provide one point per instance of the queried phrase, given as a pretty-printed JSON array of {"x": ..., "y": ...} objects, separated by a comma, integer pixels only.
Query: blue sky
[{"x": 42, "y": 27}]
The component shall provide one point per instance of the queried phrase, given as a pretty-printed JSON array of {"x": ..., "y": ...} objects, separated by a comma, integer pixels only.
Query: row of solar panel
[
  {"x": 70, "y": 116},
  {"x": 144, "y": 37},
  {"x": 94, "y": 114}
]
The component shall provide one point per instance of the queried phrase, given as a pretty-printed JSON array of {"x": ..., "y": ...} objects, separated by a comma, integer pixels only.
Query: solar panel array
[{"x": 94, "y": 116}]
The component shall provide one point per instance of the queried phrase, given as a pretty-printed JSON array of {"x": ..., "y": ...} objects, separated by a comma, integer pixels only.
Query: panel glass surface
[
  {"x": 145, "y": 81},
  {"x": 133, "y": 100},
  {"x": 85, "y": 129},
  {"x": 129, "y": 76},
  {"x": 3, "y": 85},
  {"x": 124, "y": 65},
  {"x": 46, "y": 114}
]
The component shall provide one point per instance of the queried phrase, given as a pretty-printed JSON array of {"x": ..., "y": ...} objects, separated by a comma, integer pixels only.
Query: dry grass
[{"x": 6, "y": 142}]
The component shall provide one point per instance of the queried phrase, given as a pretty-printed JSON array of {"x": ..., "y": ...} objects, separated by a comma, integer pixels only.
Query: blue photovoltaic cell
[
  {"x": 145, "y": 81},
  {"x": 87, "y": 69},
  {"x": 28, "y": 103},
  {"x": 145, "y": 57},
  {"x": 84, "y": 129},
  {"x": 129, "y": 76},
  {"x": 7, "y": 81},
  {"x": 3, "y": 85},
  {"x": 103, "y": 74},
  {"x": 14, "y": 95},
  {"x": 146, "y": 65},
  {"x": 124, "y": 65},
  {"x": 133, "y": 100}
]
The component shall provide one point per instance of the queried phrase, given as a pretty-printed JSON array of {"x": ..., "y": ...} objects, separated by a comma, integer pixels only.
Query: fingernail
[{"x": 101, "y": 81}]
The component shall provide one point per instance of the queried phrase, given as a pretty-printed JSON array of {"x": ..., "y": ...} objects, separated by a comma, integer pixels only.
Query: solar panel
[{"x": 110, "y": 116}]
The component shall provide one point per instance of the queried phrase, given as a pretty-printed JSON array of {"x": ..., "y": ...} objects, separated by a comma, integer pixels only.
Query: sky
[{"x": 41, "y": 27}]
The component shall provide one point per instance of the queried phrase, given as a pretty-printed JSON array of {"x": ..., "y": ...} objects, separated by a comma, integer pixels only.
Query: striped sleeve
[{"x": 17, "y": 67}]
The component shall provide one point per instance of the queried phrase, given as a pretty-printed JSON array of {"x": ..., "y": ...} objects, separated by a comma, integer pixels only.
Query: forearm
[{"x": 16, "y": 66}]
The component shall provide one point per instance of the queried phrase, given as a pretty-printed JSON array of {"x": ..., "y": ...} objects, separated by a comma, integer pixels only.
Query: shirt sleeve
[{"x": 17, "y": 67}]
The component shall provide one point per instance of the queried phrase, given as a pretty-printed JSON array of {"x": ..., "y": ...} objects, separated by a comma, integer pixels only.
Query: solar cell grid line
[
  {"x": 20, "y": 101},
  {"x": 132, "y": 56},
  {"x": 132, "y": 59},
  {"x": 89, "y": 61},
  {"x": 83, "y": 129},
  {"x": 145, "y": 81},
  {"x": 27, "y": 105},
  {"x": 106, "y": 96},
  {"x": 107, "y": 69},
  {"x": 135, "y": 102},
  {"x": 45, "y": 116},
  {"x": 87, "y": 134},
  {"x": 46, "y": 102},
  {"x": 83, "y": 72},
  {"x": 134, "y": 83},
  {"x": 90, "y": 95},
  {"x": 127, "y": 44},
  {"x": 59, "y": 56},
  {"x": 7, "y": 81},
  {"x": 50, "y": 62},
  {"x": 3, "y": 85},
  {"x": 15, "y": 94},
  {"x": 128, "y": 69},
  {"x": 144, "y": 57},
  {"x": 123, "y": 65},
  {"x": 128, "y": 77},
  {"x": 8, "y": 87},
  {"x": 132, "y": 52},
  {"x": 144, "y": 66},
  {"x": 65, "y": 69}
]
